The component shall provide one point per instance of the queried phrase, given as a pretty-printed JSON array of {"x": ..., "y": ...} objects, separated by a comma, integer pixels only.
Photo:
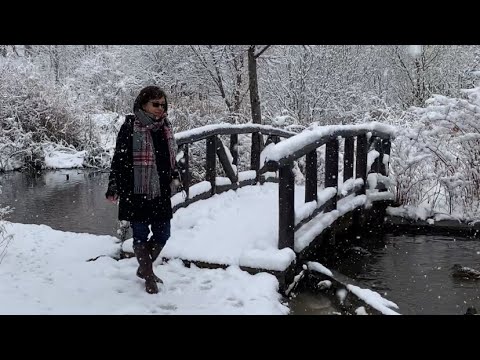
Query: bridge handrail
[
  {"x": 281, "y": 156},
  {"x": 293, "y": 148},
  {"x": 227, "y": 155},
  {"x": 204, "y": 132}
]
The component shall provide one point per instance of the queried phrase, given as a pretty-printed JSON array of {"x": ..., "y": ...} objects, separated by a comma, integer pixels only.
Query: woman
[{"x": 143, "y": 170}]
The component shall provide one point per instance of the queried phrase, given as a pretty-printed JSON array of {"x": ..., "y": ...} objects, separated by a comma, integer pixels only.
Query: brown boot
[
  {"x": 155, "y": 250},
  {"x": 142, "y": 253},
  {"x": 142, "y": 276}
]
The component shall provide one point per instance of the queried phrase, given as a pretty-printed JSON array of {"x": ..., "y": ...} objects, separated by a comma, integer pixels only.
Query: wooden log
[
  {"x": 227, "y": 166},
  {"x": 331, "y": 170},
  {"x": 234, "y": 148},
  {"x": 211, "y": 162},
  {"x": 348, "y": 158},
  {"x": 286, "y": 209},
  {"x": 186, "y": 170},
  {"x": 311, "y": 177},
  {"x": 361, "y": 161}
]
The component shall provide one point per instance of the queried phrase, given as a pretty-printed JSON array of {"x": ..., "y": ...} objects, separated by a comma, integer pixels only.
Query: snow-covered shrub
[
  {"x": 33, "y": 111},
  {"x": 436, "y": 157}
]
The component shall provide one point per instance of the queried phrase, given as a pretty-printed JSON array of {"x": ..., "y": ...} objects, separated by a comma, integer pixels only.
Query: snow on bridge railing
[
  {"x": 310, "y": 139},
  {"x": 282, "y": 155},
  {"x": 207, "y": 131}
]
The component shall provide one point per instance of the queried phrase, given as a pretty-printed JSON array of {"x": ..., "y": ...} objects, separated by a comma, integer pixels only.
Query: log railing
[
  {"x": 358, "y": 140},
  {"x": 227, "y": 155}
]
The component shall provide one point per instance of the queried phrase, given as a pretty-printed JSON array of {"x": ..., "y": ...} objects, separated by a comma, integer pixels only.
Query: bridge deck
[
  {"x": 233, "y": 228},
  {"x": 241, "y": 228}
]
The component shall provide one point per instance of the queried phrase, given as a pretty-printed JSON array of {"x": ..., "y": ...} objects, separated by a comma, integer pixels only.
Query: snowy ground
[{"x": 46, "y": 272}]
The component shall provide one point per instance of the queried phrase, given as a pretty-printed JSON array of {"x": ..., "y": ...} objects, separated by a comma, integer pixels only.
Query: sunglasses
[{"x": 157, "y": 104}]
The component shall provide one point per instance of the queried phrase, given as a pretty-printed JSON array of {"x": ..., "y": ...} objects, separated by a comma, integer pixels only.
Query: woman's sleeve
[{"x": 118, "y": 161}]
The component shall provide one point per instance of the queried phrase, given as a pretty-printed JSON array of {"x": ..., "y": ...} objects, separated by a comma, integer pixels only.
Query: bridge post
[
  {"x": 361, "y": 161},
  {"x": 225, "y": 162},
  {"x": 348, "y": 157},
  {"x": 311, "y": 177},
  {"x": 286, "y": 209},
  {"x": 331, "y": 171},
  {"x": 386, "y": 147},
  {"x": 186, "y": 170},
  {"x": 377, "y": 163},
  {"x": 383, "y": 147},
  {"x": 234, "y": 148},
  {"x": 256, "y": 150},
  {"x": 211, "y": 165}
]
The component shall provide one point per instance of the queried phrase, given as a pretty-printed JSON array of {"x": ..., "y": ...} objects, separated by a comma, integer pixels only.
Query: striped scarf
[{"x": 145, "y": 174}]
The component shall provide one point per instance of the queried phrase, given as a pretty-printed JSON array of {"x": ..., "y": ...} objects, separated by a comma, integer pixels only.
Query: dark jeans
[{"x": 160, "y": 231}]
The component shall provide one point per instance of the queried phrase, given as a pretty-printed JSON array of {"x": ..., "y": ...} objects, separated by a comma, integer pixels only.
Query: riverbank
[{"x": 398, "y": 225}]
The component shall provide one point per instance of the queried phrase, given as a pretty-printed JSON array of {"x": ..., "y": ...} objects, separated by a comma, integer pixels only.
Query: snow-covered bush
[
  {"x": 33, "y": 111},
  {"x": 436, "y": 157}
]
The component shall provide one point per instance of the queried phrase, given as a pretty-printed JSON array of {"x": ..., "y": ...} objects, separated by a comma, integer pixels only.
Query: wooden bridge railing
[
  {"x": 228, "y": 157},
  {"x": 356, "y": 147}
]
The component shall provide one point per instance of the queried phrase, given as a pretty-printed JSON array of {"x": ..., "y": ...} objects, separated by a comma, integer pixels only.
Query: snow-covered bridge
[{"x": 260, "y": 219}]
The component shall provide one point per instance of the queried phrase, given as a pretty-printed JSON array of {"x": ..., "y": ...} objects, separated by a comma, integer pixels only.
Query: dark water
[
  {"x": 75, "y": 204},
  {"x": 414, "y": 272},
  {"x": 307, "y": 303}
]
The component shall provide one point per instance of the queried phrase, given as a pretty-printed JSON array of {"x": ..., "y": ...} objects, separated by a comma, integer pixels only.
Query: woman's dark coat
[{"x": 136, "y": 207}]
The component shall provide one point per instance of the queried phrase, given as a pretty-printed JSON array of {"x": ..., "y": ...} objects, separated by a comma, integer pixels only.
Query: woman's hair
[{"x": 149, "y": 93}]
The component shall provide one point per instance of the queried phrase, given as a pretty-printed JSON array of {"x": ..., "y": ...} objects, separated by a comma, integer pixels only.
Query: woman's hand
[
  {"x": 175, "y": 186},
  {"x": 113, "y": 198}
]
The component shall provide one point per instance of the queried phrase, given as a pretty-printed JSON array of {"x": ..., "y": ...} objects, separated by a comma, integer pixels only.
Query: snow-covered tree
[
  {"x": 436, "y": 157},
  {"x": 34, "y": 112}
]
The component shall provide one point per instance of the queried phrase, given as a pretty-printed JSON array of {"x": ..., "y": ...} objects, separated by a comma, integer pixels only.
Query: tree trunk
[
  {"x": 28, "y": 50},
  {"x": 55, "y": 58},
  {"x": 253, "y": 86}
]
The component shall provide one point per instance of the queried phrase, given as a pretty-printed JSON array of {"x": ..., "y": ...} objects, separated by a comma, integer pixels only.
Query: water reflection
[
  {"x": 68, "y": 200},
  {"x": 415, "y": 273},
  {"x": 307, "y": 303}
]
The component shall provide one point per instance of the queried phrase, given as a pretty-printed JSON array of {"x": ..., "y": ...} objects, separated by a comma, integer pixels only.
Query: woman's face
[{"x": 155, "y": 107}]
